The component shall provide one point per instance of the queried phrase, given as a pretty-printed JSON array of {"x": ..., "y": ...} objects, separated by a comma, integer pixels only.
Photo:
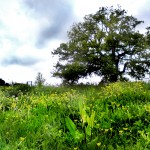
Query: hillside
[{"x": 116, "y": 116}]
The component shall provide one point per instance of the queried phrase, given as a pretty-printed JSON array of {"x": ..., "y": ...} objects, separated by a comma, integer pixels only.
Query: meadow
[{"x": 82, "y": 117}]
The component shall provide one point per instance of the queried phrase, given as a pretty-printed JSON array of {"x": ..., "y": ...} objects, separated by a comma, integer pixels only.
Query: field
[{"x": 116, "y": 116}]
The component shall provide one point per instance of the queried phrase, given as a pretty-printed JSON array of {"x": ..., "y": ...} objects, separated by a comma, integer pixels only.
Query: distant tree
[
  {"x": 39, "y": 79},
  {"x": 2, "y": 82},
  {"x": 107, "y": 44}
]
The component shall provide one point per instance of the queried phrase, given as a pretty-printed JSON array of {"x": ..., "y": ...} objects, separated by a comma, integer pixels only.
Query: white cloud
[{"x": 22, "y": 27}]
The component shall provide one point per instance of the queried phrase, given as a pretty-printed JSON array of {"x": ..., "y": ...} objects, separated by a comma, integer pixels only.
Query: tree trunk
[{"x": 114, "y": 78}]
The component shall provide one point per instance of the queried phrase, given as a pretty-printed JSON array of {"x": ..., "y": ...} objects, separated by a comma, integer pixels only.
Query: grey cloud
[
  {"x": 58, "y": 14},
  {"x": 25, "y": 61}
]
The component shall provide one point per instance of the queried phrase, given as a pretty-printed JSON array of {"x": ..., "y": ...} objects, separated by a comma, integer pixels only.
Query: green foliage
[
  {"x": 71, "y": 73},
  {"x": 16, "y": 90},
  {"x": 116, "y": 116},
  {"x": 108, "y": 44},
  {"x": 71, "y": 126}
]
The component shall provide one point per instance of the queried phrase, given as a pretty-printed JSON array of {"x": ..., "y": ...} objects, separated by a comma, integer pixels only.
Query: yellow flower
[
  {"x": 120, "y": 132},
  {"x": 13, "y": 105},
  {"x": 106, "y": 130},
  {"x": 118, "y": 105},
  {"x": 22, "y": 138},
  {"x": 125, "y": 129},
  {"x": 28, "y": 106},
  {"x": 110, "y": 129},
  {"x": 98, "y": 144}
]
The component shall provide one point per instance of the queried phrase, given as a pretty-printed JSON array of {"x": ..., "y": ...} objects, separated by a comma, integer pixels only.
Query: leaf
[
  {"x": 88, "y": 130},
  {"x": 90, "y": 119},
  {"x": 78, "y": 136},
  {"x": 71, "y": 126},
  {"x": 92, "y": 144}
]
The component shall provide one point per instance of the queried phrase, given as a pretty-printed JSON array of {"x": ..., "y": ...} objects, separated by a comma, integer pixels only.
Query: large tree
[{"x": 107, "y": 44}]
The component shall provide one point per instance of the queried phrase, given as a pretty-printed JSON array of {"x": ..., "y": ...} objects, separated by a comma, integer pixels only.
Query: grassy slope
[{"x": 81, "y": 117}]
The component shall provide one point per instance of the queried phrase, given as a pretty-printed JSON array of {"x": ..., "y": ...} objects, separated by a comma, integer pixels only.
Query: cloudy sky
[{"x": 31, "y": 29}]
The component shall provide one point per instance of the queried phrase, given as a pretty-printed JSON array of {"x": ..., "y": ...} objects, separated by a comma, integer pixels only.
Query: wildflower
[
  {"x": 60, "y": 131},
  {"x": 98, "y": 144},
  {"x": 13, "y": 105},
  {"x": 28, "y": 106},
  {"x": 113, "y": 103},
  {"x": 75, "y": 120},
  {"x": 22, "y": 138},
  {"x": 125, "y": 129},
  {"x": 110, "y": 129},
  {"x": 120, "y": 132},
  {"x": 118, "y": 105},
  {"x": 106, "y": 130}
]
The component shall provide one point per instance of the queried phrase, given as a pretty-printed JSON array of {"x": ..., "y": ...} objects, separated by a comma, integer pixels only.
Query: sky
[{"x": 31, "y": 29}]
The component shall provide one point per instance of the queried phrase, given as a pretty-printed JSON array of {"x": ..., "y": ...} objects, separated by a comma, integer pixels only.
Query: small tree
[
  {"x": 107, "y": 44},
  {"x": 39, "y": 80}
]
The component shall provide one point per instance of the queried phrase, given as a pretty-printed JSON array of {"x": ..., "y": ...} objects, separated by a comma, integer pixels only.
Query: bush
[{"x": 16, "y": 90}]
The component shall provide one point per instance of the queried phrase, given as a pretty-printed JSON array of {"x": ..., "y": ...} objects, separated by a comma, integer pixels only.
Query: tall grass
[{"x": 116, "y": 116}]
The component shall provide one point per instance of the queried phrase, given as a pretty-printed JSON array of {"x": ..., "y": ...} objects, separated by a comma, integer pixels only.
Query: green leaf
[
  {"x": 88, "y": 130},
  {"x": 71, "y": 126},
  {"x": 92, "y": 144},
  {"x": 78, "y": 136}
]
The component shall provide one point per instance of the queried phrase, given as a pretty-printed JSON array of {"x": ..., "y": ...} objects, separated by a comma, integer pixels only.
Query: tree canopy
[{"x": 107, "y": 44}]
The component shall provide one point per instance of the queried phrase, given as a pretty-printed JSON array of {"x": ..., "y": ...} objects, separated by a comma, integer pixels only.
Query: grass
[{"x": 116, "y": 116}]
